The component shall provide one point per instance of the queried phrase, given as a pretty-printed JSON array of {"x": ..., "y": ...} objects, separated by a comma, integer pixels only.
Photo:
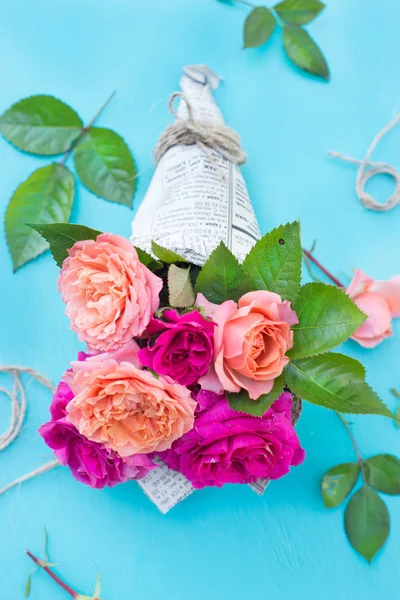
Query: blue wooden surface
[{"x": 218, "y": 543}]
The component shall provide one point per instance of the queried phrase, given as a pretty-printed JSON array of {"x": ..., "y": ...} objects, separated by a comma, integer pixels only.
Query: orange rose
[
  {"x": 109, "y": 294},
  {"x": 250, "y": 342},
  {"x": 125, "y": 408}
]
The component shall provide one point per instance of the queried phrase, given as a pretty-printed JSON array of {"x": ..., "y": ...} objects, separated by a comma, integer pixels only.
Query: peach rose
[
  {"x": 125, "y": 408},
  {"x": 380, "y": 301},
  {"x": 109, "y": 294},
  {"x": 250, "y": 342}
]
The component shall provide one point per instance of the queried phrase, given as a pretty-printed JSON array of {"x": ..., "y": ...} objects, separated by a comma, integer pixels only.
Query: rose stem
[
  {"x": 55, "y": 577},
  {"x": 322, "y": 268},
  {"x": 353, "y": 441},
  {"x": 86, "y": 129}
]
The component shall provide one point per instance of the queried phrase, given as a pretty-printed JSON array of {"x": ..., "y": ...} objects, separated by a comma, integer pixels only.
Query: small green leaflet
[
  {"x": 62, "y": 236},
  {"x": 243, "y": 403},
  {"x": 298, "y": 12},
  {"x": 105, "y": 165},
  {"x": 45, "y": 197},
  {"x": 334, "y": 381},
  {"x": 181, "y": 294},
  {"x": 222, "y": 277},
  {"x": 304, "y": 52},
  {"x": 165, "y": 255},
  {"x": 258, "y": 27},
  {"x": 148, "y": 261},
  {"x": 383, "y": 473},
  {"x": 367, "y": 522},
  {"x": 338, "y": 482},
  {"x": 41, "y": 125},
  {"x": 274, "y": 263},
  {"x": 327, "y": 318}
]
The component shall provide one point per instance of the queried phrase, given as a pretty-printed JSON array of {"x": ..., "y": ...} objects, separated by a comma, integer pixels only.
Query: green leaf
[
  {"x": 298, "y": 12},
  {"x": 45, "y": 197},
  {"x": 105, "y": 165},
  {"x": 334, "y": 381},
  {"x": 62, "y": 236},
  {"x": 274, "y": 263},
  {"x": 383, "y": 473},
  {"x": 148, "y": 261},
  {"x": 243, "y": 403},
  {"x": 338, "y": 482},
  {"x": 304, "y": 52},
  {"x": 397, "y": 417},
  {"x": 28, "y": 587},
  {"x": 41, "y": 125},
  {"x": 181, "y": 294},
  {"x": 327, "y": 318},
  {"x": 165, "y": 255},
  {"x": 222, "y": 277},
  {"x": 367, "y": 522},
  {"x": 258, "y": 27}
]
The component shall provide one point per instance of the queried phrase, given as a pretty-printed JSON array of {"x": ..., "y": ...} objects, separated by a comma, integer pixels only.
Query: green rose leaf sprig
[
  {"x": 366, "y": 518},
  {"x": 290, "y": 16},
  {"x": 45, "y": 126}
]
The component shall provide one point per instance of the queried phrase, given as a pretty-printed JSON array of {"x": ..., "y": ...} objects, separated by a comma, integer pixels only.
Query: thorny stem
[
  {"x": 334, "y": 279},
  {"x": 55, "y": 577},
  {"x": 86, "y": 129},
  {"x": 360, "y": 459}
]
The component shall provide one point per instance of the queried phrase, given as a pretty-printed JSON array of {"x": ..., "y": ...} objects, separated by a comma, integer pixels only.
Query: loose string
[
  {"x": 188, "y": 132},
  {"x": 368, "y": 169},
  {"x": 19, "y": 405}
]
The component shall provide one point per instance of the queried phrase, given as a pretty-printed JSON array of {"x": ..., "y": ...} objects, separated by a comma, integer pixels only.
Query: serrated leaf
[
  {"x": 148, "y": 261},
  {"x": 304, "y": 52},
  {"x": 222, "y": 277},
  {"x": 327, "y": 318},
  {"x": 45, "y": 197},
  {"x": 165, "y": 255},
  {"x": 41, "y": 125},
  {"x": 62, "y": 236},
  {"x": 181, "y": 294},
  {"x": 383, "y": 473},
  {"x": 367, "y": 522},
  {"x": 274, "y": 263},
  {"x": 105, "y": 165},
  {"x": 336, "y": 382},
  {"x": 298, "y": 12},
  {"x": 338, "y": 482},
  {"x": 258, "y": 27},
  {"x": 243, "y": 403},
  {"x": 397, "y": 417}
]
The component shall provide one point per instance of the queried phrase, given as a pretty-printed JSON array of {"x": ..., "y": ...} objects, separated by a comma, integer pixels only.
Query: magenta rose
[
  {"x": 90, "y": 462},
  {"x": 226, "y": 446},
  {"x": 183, "y": 348}
]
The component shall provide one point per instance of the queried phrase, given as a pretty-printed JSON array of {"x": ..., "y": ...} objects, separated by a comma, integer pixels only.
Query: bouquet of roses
[
  {"x": 200, "y": 339},
  {"x": 195, "y": 366}
]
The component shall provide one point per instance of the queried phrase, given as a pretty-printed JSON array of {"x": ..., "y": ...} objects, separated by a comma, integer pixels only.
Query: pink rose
[
  {"x": 127, "y": 409},
  {"x": 109, "y": 294},
  {"x": 250, "y": 342},
  {"x": 380, "y": 301},
  {"x": 226, "y": 446}
]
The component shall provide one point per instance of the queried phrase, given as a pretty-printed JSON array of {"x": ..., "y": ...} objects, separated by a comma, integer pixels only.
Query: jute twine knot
[
  {"x": 188, "y": 132},
  {"x": 368, "y": 169}
]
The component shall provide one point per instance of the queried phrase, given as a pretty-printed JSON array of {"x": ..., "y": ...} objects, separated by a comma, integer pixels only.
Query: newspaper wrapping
[{"x": 195, "y": 200}]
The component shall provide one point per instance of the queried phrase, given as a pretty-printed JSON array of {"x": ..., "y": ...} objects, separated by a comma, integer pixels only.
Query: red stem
[
  {"x": 322, "y": 268},
  {"x": 55, "y": 577}
]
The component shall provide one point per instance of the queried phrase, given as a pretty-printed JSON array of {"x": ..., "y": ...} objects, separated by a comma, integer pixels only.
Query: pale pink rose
[
  {"x": 250, "y": 342},
  {"x": 380, "y": 301},
  {"x": 127, "y": 409},
  {"x": 109, "y": 294}
]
